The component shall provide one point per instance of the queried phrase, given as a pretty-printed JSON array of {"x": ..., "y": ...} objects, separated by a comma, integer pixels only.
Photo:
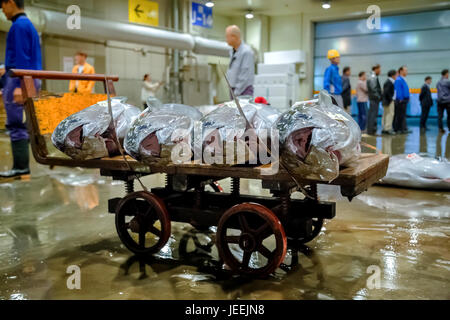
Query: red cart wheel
[
  {"x": 143, "y": 226},
  {"x": 245, "y": 239}
]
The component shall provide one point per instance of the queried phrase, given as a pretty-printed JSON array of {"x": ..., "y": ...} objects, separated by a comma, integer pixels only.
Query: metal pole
[{"x": 176, "y": 55}]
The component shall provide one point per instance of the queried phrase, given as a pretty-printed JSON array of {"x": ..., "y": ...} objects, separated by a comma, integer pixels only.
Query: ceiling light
[
  {"x": 326, "y": 5},
  {"x": 249, "y": 15},
  {"x": 209, "y": 4}
]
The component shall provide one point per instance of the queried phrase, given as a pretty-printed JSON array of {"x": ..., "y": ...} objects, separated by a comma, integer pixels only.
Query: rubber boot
[{"x": 21, "y": 159}]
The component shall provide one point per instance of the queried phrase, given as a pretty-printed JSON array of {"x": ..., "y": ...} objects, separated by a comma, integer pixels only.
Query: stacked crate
[
  {"x": 276, "y": 82},
  {"x": 278, "y": 77}
]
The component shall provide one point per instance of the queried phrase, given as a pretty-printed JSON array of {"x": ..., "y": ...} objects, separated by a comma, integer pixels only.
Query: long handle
[{"x": 58, "y": 75}]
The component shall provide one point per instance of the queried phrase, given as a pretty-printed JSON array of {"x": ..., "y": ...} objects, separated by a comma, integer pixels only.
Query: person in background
[
  {"x": 346, "y": 90},
  {"x": 81, "y": 66},
  {"x": 241, "y": 70},
  {"x": 401, "y": 101},
  {"x": 2, "y": 76},
  {"x": 388, "y": 103},
  {"x": 426, "y": 102},
  {"x": 149, "y": 89},
  {"x": 332, "y": 81},
  {"x": 361, "y": 100},
  {"x": 23, "y": 51},
  {"x": 375, "y": 96},
  {"x": 443, "y": 90}
]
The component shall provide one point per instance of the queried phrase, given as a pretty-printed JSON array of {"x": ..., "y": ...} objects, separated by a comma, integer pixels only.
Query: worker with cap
[
  {"x": 23, "y": 51},
  {"x": 332, "y": 81}
]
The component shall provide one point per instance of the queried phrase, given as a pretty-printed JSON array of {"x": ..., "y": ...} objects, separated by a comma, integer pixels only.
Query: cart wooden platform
[{"x": 249, "y": 228}]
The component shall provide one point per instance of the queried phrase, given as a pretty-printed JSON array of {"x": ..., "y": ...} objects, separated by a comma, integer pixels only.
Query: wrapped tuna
[
  {"x": 416, "y": 171},
  {"x": 88, "y": 134},
  {"x": 226, "y": 138},
  {"x": 316, "y": 137},
  {"x": 158, "y": 130}
]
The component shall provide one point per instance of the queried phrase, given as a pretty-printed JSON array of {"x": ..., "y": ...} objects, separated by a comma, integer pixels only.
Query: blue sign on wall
[{"x": 201, "y": 15}]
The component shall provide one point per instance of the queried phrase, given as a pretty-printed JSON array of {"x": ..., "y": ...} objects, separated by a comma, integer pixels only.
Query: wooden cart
[{"x": 244, "y": 222}]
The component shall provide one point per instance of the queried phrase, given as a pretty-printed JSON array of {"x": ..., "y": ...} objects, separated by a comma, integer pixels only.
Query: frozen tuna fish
[
  {"x": 415, "y": 171},
  {"x": 158, "y": 130},
  {"x": 226, "y": 137},
  {"x": 316, "y": 137},
  {"x": 88, "y": 134}
]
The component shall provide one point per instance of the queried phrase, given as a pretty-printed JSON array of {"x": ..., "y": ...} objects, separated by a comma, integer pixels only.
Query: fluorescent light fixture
[
  {"x": 249, "y": 15},
  {"x": 209, "y": 4},
  {"x": 326, "y": 5}
]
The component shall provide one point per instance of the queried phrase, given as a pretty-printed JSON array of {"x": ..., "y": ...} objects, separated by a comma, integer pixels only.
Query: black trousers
[
  {"x": 424, "y": 116},
  {"x": 372, "y": 117},
  {"x": 400, "y": 115},
  {"x": 441, "y": 108}
]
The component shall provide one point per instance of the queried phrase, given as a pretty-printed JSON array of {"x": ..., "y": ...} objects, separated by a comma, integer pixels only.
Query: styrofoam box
[
  {"x": 260, "y": 91},
  {"x": 274, "y": 78},
  {"x": 276, "y": 68},
  {"x": 287, "y": 56},
  {"x": 280, "y": 90}
]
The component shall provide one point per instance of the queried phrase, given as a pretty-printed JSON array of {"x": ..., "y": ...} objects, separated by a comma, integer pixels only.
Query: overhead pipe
[
  {"x": 104, "y": 30},
  {"x": 211, "y": 47}
]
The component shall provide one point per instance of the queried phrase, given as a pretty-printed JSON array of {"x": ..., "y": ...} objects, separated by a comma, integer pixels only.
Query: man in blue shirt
[
  {"x": 332, "y": 81},
  {"x": 401, "y": 101},
  {"x": 23, "y": 51}
]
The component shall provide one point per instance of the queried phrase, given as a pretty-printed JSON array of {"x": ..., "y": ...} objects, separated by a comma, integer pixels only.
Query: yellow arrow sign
[{"x": 144, "y": 12}]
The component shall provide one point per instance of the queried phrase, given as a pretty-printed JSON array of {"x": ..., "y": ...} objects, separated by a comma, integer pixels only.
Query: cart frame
[{"x": 292, "y": 222}]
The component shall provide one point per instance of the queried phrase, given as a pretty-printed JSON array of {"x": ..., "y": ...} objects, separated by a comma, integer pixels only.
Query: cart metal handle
[
  {"x": 29, "y": 90},
  {"x": 58, "y": 75}
]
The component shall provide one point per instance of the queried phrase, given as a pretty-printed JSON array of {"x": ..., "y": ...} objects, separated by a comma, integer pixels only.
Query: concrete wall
[{"x": 285, "y": 32}]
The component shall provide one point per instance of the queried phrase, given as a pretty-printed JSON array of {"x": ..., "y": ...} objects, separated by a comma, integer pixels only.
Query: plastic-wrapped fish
[
  {"x": 159, "y": 129},
  {"x": 261, "y": 116},
  {"x": 225, "y": 125},
  {"x": 219, "y": 126},
  {"x": 316, "y": 137},
  {"x": 87, "y": 134},
  {"x": 415, "y": 171}
]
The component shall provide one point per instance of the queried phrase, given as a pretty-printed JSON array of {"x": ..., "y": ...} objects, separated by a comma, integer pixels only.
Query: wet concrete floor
[{"x": 59, "y": 218}]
